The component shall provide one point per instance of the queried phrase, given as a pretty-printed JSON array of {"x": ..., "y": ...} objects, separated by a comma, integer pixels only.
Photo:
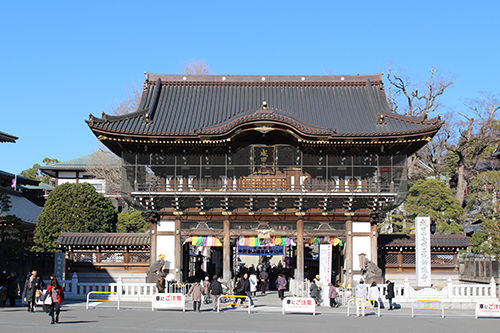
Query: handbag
[
  {"x": 47, "y": 300},
  {"x": 38, "y": 293}
]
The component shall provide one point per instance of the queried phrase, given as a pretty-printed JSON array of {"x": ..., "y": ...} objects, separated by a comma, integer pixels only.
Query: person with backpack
[
  {"x": 56, "y": 293},
  {"x": 239, "y": 289}
]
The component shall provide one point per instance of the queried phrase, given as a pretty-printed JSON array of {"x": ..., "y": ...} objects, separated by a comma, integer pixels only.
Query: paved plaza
[{"x": 265, "y": 317}]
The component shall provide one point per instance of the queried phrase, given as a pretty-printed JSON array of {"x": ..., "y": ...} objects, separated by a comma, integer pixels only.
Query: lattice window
[
  {"x": 408, "y": 258},
  {"x": 139, "y": 257},
  {"x": 442, "y": 259},
  {"x": 85, "y": 257},
  {"x": 112, "y": 257},
  {"x": 391, "y": 258}
]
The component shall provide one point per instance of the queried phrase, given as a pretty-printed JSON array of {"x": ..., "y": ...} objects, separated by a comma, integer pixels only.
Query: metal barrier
[
  {"x": 233, "y": 304},
  {"x": 104, "y": 300},
  {"x": 367, "y": 300},
  {"x": 426, "y": 301}
]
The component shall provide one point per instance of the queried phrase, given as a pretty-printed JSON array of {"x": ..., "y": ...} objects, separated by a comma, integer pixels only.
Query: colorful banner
[
  {"x": 261, "y": 250},
  {"x": 325, "y": 240},
  {"x": 203, "y": 241},
  {"x": 273, "y": 241}
]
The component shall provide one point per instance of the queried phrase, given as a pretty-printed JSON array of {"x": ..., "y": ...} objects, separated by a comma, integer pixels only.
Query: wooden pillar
[
  {"x": 348, "y": 252},
  {"x": 153, "y": 244},
  {"x": 300, "y": 250},
  {"x": 178, "y": 250},
  {"x": 226, "y": 252},
  {"x": 374, "y": 238}
]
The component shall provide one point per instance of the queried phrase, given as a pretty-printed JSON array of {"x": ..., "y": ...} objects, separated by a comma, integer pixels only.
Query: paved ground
[{"x": 265, "y": 317}]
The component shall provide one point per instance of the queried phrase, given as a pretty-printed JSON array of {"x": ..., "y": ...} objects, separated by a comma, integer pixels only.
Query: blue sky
[{"x": 61, "y": 60}]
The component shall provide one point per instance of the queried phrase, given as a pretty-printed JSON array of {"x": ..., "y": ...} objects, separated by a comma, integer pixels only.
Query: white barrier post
[{"x": 493, "y": 288}]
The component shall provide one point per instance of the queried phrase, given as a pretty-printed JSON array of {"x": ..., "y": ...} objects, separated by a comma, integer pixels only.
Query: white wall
[{"x": 360, "y": 244}]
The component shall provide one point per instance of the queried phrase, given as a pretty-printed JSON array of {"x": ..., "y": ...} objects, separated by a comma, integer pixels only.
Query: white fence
[
  {"x": 138, "y": 292},
  {"x": 452, "y": 295}
]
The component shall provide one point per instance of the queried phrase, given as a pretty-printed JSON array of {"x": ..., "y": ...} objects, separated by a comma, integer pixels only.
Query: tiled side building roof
[
  {"x": 176, "y": 106},
  {"x": 437, "y": 241},
  {"x": 103, "y": 239}
]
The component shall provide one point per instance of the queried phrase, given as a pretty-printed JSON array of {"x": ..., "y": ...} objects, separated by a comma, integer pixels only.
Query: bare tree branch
[{"x": 196, "y": 67}]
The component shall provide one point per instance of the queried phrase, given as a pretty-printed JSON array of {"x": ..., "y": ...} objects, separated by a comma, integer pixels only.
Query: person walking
[
  {"x": 263, "y": 276},
  {"x": 313, "y": 288},
  {"x": 30, "y": 288},
  {"x": 361, "y": 293},
  {"x": 374, "y": 293},
  {"x": 246, "y": 284},
  {"x": 12, "y": 285},
  {"x": 197, "y": 291},
  {"x": 281, "y": 286},
  {"x": 206, "y": 290},
  {"x": 56, "y": 293},
  {"x": 332, "y": 294},
  {"x": 216, "y": 291},
  {"x": 239, "y": 290},
  {"x": 40, "y": 284},
  {"x": 389, "y": 293},
  {"x": 253, "y": 284}
]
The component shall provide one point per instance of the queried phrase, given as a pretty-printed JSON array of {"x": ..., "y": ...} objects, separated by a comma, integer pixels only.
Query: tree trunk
[{"x": 461, "y": 185}]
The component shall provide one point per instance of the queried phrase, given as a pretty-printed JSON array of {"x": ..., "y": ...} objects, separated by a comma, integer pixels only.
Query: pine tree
[{"x": 73, "y": 208}]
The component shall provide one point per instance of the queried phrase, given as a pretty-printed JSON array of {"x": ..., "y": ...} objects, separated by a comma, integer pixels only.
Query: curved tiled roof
[
  {"x": 5, "y": 137},
  {"x": 176, "y": 105},
  {"x": 403, "y": 240},
  {"x": 103, "y": 239}
]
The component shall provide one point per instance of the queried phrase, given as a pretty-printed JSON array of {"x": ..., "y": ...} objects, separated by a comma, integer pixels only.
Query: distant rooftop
[
  {"x": 4, "y": 137},
  {"x": 81, "y": 163}
]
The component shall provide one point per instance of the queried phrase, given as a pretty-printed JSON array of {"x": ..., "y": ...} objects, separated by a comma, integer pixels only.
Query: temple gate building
[{"x": 226, "y": 161}]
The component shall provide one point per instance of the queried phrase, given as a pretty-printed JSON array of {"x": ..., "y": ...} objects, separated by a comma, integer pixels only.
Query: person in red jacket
[{"x": 56, "y": 292}]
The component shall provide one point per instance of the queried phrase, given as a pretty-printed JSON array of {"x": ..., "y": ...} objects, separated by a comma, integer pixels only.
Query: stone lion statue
[
  {"x": 154, "y": 271},
  {"x": 373, "y": 273}
]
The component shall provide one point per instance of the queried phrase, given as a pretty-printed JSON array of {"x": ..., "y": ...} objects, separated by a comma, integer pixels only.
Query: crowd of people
[{"x": 34, "y": 291}]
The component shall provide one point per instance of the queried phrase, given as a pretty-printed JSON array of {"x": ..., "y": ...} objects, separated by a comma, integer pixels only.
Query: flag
[{"x": 14, "y": 182}]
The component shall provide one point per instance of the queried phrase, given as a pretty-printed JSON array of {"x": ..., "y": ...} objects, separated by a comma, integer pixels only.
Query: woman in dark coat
[
  {"x": 12, "y": 288},
  {"x": 30, "y": 288},
  {"x": 389, "y": 293}
]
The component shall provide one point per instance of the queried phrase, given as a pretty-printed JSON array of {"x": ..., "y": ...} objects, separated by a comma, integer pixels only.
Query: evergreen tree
[
  {"x": 432, "y": 198},
  {"x": 73, "y": 208},
  {"x": 132, "y": 222}
]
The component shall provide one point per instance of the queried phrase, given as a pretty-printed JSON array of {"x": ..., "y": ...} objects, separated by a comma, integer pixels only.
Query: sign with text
[
  {"x": 263, "y": 159},
  {"x": 423, "y": 251},
  {"x": 325, "y": 263},
  {"x": 488, "y": 309},
  {"x": 261, "y": 250},
  {"x": 169, "y": 301},
  {"x": 298, "y": 304}
]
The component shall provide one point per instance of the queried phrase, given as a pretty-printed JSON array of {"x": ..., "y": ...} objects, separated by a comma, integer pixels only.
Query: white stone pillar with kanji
[{"x": 423, "y": 251}]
